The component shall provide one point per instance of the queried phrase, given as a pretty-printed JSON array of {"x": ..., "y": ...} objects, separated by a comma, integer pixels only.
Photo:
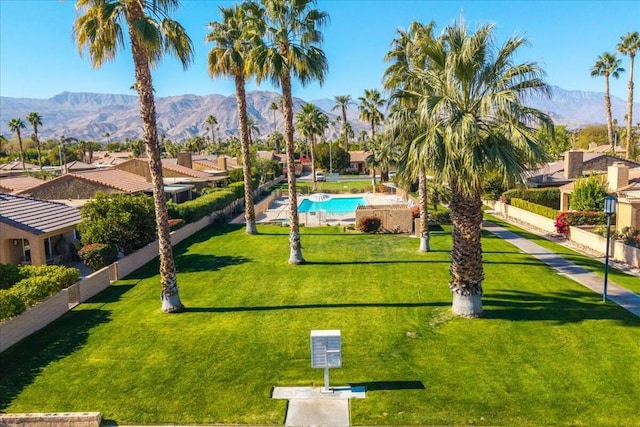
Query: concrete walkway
[
  {"x": 619, "y": 295},
  {"x": 312, "y": 407}
]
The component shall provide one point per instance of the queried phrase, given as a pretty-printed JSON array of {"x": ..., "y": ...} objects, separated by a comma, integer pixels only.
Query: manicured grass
[
  {"x": 548, "y": 352},
  {"x": 619, "y": 277},
  {"x": 306, "y": 187}
]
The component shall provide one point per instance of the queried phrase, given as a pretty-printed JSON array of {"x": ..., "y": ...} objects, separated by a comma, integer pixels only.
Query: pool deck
[{"x": 278, "y": 211}]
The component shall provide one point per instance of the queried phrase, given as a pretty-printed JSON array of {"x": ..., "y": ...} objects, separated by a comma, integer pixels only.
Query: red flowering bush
[
  {"x": 369, "y": 224},
  {"x": 562, "y": 224}
]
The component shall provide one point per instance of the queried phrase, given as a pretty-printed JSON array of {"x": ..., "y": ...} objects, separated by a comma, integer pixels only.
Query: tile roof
[
  {"x": 18, "y": 183},
  {"x": 36, "y": 216},
  {"x": 358, "y": 156},
  {"x": 115, "y": 178},
  {"x": 16, "y": 165},
  {"x": 108, "y": 177}
]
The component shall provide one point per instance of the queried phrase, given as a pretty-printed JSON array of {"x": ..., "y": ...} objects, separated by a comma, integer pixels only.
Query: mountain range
[{"x": 111, "y": 117}]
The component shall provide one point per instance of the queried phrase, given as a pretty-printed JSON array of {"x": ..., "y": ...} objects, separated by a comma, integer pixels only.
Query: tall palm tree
[
  {"x": 629, "y": 45},
  {"x": 342, "y": 102},
  {"x": 292, "y": 36},
  {"x": 2, "y": 141},
  {"x": 473, "y": 123},
  {"x": 228, "y": 57},
  {"x": 273, "y": 106},
  {"x": 16, "y": 125},
  {"x": 309, "y": 123},
  {"x": 608, "y": 66},
  {"x": 212, "y": 121},
  {"x": 36, "y": 120},
  {"x": 99, "y": 30},
  {"x": 369, "y": 109},
  {"x": 405, "y": 57},
  {"x": 253, "y": 128}
]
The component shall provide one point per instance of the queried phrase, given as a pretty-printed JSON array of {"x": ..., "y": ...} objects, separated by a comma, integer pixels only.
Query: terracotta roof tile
[
  {"x": 36, "y": 216},
  {"x": 18, "y": 183}
]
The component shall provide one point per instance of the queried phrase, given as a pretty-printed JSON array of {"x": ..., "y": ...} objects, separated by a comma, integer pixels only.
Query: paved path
[{"x": 621, "y": 296}]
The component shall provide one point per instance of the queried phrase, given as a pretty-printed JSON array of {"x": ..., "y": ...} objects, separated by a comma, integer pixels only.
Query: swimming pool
[{"x": 338, "y": 205}]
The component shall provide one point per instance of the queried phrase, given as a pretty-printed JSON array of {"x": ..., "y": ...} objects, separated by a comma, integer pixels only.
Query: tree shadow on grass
[
  {"x": 390, "y": 385},
  {"x": 562, "y": 307},
  {"x": 22, "y": 363},
  {"x": 316, "y": 306},
  {"x": 376, "y": 262},
  {"x": 191, "y": 263}
]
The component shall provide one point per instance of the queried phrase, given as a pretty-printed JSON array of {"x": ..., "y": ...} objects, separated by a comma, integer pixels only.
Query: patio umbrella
[{"x": 319, "y": 197}]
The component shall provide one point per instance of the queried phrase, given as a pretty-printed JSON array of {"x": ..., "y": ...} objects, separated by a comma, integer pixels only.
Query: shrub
[
  {"x": 369, "y": 224},
  {"x": 98, "y": 255},
  {"x": 629, "y": 236},
  {"x": 194, "y": 210},
  {"x": 123, "y": 220},
  {"x": 441, "y": 217},
  {"x": 11, "y": 304},
  {"x": 566, "y": 219},
  {"x": 549, "y": 197},
  {"x": 9, "y": 275},
  {"x": 236, "y": 175},
  {"x": 589, "y": 193},
  {"x": 535, "y": 208}
]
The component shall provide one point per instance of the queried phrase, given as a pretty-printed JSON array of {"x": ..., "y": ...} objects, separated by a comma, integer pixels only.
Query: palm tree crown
[
  {"x": 342, "y": 104},
  {"x": 607, "y": 65},
  {"x": 369, "y": 108},
  {"x": 35, "y": 120}
]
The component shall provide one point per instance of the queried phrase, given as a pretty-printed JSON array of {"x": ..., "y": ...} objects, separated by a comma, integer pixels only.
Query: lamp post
[{"x": 609, "y": 209}]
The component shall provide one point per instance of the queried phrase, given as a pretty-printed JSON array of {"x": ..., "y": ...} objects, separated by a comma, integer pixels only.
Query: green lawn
[
  {"x": 548, "y": 352},
  {"x": 619, "y": 277}
]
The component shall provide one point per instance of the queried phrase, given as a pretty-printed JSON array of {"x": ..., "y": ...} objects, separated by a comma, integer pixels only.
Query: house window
[
  {"x": 26, "y": 250},
  {"x": 47, "y": 248}
]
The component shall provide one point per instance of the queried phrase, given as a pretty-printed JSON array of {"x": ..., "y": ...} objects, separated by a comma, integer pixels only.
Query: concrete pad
[
  {"x": 338, "y": 392},
  {"x": 318, "y": 412}
]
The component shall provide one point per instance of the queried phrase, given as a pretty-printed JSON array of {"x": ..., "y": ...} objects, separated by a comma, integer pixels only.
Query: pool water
[{"x": 339, "y": 205}]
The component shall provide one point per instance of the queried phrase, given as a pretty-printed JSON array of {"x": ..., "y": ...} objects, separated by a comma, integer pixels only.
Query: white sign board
[{"x": 326, "y": 349}]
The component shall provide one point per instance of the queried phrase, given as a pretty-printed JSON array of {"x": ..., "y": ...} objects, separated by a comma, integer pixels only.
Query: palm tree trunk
[
  {"x": 424, "y": 225},
  {"x": 466, "y": 254},
  {"x": 170, "y": 299},
  {"x": 295, "y": 246},
  {"x": 313, "y": 162},
  {"x": 249, "y": 212},
  {"x": 21, "y": 149},
  {"x": 344, "y": 129},
  {"x": 37, "y": 142},
  {"x": 607, "y": 107},
  {"x": 630, "y": 108}
]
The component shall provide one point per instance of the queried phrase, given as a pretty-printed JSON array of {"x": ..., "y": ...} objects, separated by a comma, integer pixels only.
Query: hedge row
[
  {"x": 549, "y": 197},
  {"x": 36, "y": 284},
  {"x": 194, "y": 210},
  {"x": 535, "y": 208}
]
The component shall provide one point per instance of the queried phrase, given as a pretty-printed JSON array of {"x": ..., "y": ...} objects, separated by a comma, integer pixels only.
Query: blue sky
[{"x": 38, "y": 57}]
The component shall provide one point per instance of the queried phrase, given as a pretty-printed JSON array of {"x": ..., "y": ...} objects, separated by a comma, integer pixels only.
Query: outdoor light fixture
[
  {"x": 609, "y": 209},
  {"x": 15, "y": 242}
]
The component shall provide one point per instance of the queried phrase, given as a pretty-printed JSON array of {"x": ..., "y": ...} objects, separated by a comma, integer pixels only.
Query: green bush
[
  {"x": 236, "y": 175},
  {"x": 9, "y": 275},
  {"x": 123, "y": 220},
  {"x": 11, "y": 304},
  {"x": 37, "y": 283},
  {"x": 549, "y": 197},
  {"x": 196, "y": 209},
  {"x": 369, "y": 224},
  {"x": 98, "y": 255},
  {"x": 589, "y": 193},
  {"x": 535, "y": 208},
  {"x": 440, "y": 217}
]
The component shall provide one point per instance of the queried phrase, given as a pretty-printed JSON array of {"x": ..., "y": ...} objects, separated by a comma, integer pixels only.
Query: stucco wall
[{"x": 393, "y": 218}]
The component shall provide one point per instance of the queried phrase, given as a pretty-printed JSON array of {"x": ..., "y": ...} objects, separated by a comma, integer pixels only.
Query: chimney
[
  {"x": 222, "y": 163},
  {"x": 617, "y": 176},
  {"x": 184, "y": 159},
  {"x": 573, "y": 160}
]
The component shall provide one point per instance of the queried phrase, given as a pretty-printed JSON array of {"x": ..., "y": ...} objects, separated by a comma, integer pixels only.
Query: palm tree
[
  {"x": 228, "y": 57},
  {"x": 629, "y": 45},
  {"x": 16, "y": 125},
  {"x": 36, "y": 120},
  {"x": 2, "y": 141},
  {"x": 369, "y": 109},
  {"x": 607, "y": 65},
  {"x": 99, "y": 30},
  {"x": 342, "y": 103},
  {"x": 212, "y": 121},
  {"x": 309, "y": 123},
  {"x": 291, "y": 31},
  {"x": 273, "y": 106},
  {"x": 253, "y": 128},
  {"x": 472, "y": 123}
]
